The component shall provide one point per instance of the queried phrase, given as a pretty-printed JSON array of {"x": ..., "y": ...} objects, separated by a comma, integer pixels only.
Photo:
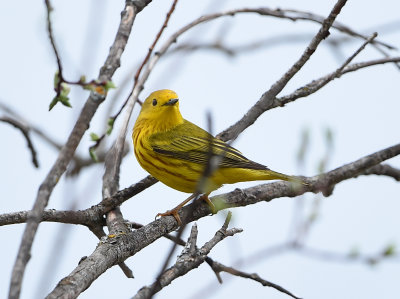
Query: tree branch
[
  {"x": 91, "y": 217},
  {"x": 355, "y": 256},
  {"x": 218, "y": 267},
  {"x": 114, "y": 156},
  {"x": 383, "y": 169},
  {"x": 94, "y": 215},
  {"x": 317, "y": 84},
  {"x": 109, "y": 253},
  {"x": 267, "y": 98},
  {"x": 25, "y": 132},
  {"x": 35, "y": 215},
  {"x": 190, "y": 259}
]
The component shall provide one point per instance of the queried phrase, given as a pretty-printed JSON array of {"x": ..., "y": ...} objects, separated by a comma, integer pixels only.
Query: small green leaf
[
  {"x": 53, "y": 103},
  {"x": 82, "y": 79},
  {"x": 93, "y": 155},
  {"x": 109, "y": 85},
  {"x": 62, "y": 94},
  {"x": 110, "y": 124},
  {"x": 65, "y": 101},
  {"x": 389, "y": 250},
  {"x": 111, "y": 121},
  {"x": 94, "y": 137}
]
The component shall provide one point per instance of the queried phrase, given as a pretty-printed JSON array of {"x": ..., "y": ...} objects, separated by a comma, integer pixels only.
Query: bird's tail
[{"x": 273, "y": 175}]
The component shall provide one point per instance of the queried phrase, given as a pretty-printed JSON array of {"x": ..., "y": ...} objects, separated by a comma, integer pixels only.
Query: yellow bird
[{"x": 176, "y": 151}]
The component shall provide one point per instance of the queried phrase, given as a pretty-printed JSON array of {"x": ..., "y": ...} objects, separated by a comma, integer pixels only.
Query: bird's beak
[{"x": 171, "y": 102}]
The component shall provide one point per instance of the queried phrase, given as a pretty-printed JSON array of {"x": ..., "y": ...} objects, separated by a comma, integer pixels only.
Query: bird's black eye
[{"x": 154, "y": 102}]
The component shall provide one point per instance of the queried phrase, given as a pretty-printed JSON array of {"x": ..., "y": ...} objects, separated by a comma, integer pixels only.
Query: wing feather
[{"x": 190, "y": 143}]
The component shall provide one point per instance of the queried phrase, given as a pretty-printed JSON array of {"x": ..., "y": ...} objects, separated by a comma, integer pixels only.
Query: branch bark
[
  {"x": 190, "y": 258},
  {"x": 35, "y": 215},
  {"x": 115, "y": 250},
  {"x": 91, "y": 217}
]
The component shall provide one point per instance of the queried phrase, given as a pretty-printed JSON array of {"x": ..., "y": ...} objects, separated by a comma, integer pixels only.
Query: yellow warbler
[{"x": 176, "y": 151}]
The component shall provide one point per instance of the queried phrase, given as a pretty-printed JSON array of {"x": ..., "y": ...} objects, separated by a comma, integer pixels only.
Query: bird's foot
[
  {"x": 209, "y": 202},
  {"x": 174, "y": 212}
]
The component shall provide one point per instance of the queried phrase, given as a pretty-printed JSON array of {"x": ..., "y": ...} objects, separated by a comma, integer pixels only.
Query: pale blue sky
[{"x": 362, "y": 110}]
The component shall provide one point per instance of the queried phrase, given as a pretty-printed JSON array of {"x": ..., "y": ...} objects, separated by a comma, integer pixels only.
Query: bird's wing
[{"x": 191, "y": 143}]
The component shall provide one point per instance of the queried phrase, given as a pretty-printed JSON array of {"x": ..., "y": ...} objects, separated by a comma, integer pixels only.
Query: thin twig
[
  {"x": 151, "y": 49},
  {"x": 25, "y": 131},
  {"x": 61, "y": 79},
  {"x": 157, "y": 285},
  {"x": 189, "y": 259},
  {"x": 384, "y": 169},
  {"x": 279, "y": 13},
  {"x": 139, "y": 70},
  {"x": 218, "y": 267},
  {"x": 339, "y": 26},
  {"x": 262, "y": 11},
  {"x": 352, "y": 256},
  {"x": 317, "y": 84},
  {"x": 78, "y": 163},
  {"x": 49, "y": 9},
  {"x": 267, "y": 98}
]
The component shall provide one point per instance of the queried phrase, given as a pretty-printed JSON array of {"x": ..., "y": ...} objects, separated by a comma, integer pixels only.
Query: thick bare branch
[
  {"x": 106, "y": 254},
  {"x": 91, "y": 217},
  {"x": 35, "y": 215},
  {"x": 94, "y": 215}
]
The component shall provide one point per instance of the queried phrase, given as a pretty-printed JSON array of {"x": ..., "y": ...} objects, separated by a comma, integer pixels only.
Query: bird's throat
[{"x": 162, "y": 123}]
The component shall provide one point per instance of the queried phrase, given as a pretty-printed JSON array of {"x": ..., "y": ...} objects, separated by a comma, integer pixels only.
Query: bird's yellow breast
[{"x": 175, "y": 173}]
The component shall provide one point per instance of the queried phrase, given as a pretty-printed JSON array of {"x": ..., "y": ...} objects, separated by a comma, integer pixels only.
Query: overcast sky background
[{"x": 361, "y": 109}]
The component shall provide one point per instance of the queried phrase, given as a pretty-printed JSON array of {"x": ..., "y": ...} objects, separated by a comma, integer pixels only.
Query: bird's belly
[
  {"x": 177, "y": 174},
  {"x": 180, "y": 177}
]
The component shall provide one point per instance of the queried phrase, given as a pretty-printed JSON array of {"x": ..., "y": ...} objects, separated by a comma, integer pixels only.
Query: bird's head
[{"x": 162, "y": 106}]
